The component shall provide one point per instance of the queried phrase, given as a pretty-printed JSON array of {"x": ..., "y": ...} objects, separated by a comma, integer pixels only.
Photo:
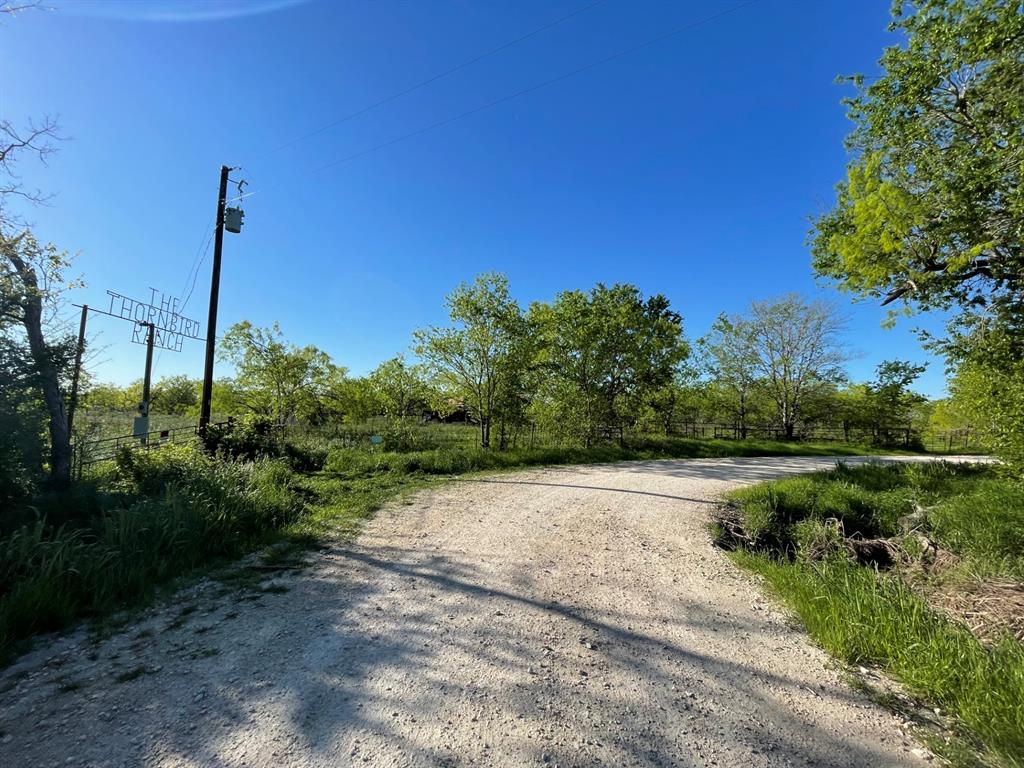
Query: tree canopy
[
  {"x": 932, "y": 207},
  {"x": 475, "y": 357},
  {"x": 795, "y": 347},
  {"x": 273, "y": 377},
  {"x": 603, "y": 351}
]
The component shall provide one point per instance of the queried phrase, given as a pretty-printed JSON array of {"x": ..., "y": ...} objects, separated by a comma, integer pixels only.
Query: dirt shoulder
[{"x": 571, "y": 616}]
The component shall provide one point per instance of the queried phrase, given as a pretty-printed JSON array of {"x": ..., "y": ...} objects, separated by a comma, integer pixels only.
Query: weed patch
[{"x": 792, "y": 532}]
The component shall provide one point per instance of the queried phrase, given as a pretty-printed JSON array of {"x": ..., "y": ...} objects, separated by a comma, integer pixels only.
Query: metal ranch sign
[{"x": 170, "y": 328}]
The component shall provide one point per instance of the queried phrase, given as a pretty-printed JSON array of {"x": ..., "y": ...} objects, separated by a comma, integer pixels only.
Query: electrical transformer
[{"x": 233, "y": 219}]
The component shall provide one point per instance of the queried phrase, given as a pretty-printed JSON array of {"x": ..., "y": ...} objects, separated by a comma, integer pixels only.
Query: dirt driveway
[{"x": 571, "y": 617}]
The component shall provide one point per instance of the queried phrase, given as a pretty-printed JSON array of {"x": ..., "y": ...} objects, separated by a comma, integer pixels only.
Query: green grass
[
  {"x": 128, "y": 529},
  {"x": 973, "y": 510},
  {"x": 350, "y": 462},
  {"x": 102, "y": 423},
  {"x": 864, "y": 616},
  {"x": 176, "y": 511},
  {"x": 985, "y": 524}
]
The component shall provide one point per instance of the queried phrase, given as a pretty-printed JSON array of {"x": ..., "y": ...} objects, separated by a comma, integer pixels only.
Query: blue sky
[{"x": 689, "y": 167}]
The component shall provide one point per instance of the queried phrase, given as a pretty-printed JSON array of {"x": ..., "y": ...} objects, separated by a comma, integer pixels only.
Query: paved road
[{"x": 571, "y": 617}]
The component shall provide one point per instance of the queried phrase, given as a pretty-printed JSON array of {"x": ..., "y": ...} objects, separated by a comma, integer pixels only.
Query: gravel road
[{"x": 572, "y": 617}]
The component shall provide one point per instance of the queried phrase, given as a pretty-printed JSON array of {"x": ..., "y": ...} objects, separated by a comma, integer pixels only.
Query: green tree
[
  {"x": 22, "y": 421},
  {"x": 852, "y": 409},
  {"x": 36, "y": 349},
  {"x": 988, "y": 385},
  {"x": 728, "y": 356},
  {"x": 475, "y": 358},
  {"x": 351, "y": 399},
  {"x": 604, "y": 353},
  {"x": 947, "y": 414},
  {"x": 399, "y": 389},
  {"x": 795, "y": 346},
  {"x": 931, "y": 209},
  {"x": 273, "y": 377},
  {"x": 32, "y": 283},
  {"x": 110, "y": 397},
  {"x": 893, "y": 402},
  {"x": 177, "y": 395}
]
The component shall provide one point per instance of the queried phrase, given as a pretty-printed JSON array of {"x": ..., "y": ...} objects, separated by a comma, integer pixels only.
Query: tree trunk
[
  {"x": 48, "y": 375},
  {"x": 743, "y": 416}
]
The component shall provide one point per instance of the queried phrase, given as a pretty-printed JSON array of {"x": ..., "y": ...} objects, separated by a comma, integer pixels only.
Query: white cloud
[{"x": 173, "y": 11}]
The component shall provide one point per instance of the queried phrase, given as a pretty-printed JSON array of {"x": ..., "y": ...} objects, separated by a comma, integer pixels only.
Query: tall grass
[
  {"x": 866, "y": 618},
  {"x": 113, "y": 538},
  {"x": 985, "y": 524},
  {"x": 973, "y": 510},
  {"x": 185, "y": 510},
  {"x": 355, "y": 462}
]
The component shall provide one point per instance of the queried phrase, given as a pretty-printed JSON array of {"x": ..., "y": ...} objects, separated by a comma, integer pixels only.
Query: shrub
[
  {"x": 16, "y": 481},
  {"x": 305, "y": 454},
  {"x": 248, "y": 438}
]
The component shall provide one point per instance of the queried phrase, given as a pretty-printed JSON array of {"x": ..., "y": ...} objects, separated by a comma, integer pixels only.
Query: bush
[
  {"x": 16, "y": 480},
  {"x": 247, "y": 438},
  {"x": 305, "y": 455}
]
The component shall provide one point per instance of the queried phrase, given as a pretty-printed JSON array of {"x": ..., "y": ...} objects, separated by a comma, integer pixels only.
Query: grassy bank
[
  {"x": 458, "y": 460},
  {"x": 111, "y": 541},
  {"x": 137, "y": 524},
  {"x": 942, "y": 523}
]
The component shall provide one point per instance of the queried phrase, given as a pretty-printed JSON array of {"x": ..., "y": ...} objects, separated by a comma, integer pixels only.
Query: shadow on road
[{"x": 429, "y": 659}]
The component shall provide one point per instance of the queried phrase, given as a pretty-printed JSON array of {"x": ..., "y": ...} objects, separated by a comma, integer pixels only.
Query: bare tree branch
[
  {"x": 12, "y": 7},
  {"x": 38, "y": 139}
]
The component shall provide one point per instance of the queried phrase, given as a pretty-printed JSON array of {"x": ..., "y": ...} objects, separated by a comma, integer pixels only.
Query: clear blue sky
[{"x": 689, "y": 168}]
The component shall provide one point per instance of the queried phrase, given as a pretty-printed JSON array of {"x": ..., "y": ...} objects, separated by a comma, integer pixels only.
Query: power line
[
  {"x": 538, "y": 86},
  {"x": 195, "y": 275},
  {"x": 194, "y": 268},
  {"x": 195, "y": 259},
  {"x": 436, "y": 77}
]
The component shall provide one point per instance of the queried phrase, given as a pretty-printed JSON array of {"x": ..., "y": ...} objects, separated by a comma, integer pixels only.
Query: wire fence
[
  {"x": 88, "y": 452},
  {"x": 378, "y": 434}
]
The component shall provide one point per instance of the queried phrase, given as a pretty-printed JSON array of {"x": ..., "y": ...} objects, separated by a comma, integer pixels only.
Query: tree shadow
[
  {"x": 410, "y": 648},
  {"x": 491, "y": 481},
  {"x": 435, "y": 680}
]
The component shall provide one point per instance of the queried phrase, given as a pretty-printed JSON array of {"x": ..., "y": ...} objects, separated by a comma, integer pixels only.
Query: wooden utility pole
[
  {"x": 141, "y": 428},
  {"x": 211, "y": 323},
  {"x": 147, "y": 380},
  {"x": 73, "y": 404}
]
